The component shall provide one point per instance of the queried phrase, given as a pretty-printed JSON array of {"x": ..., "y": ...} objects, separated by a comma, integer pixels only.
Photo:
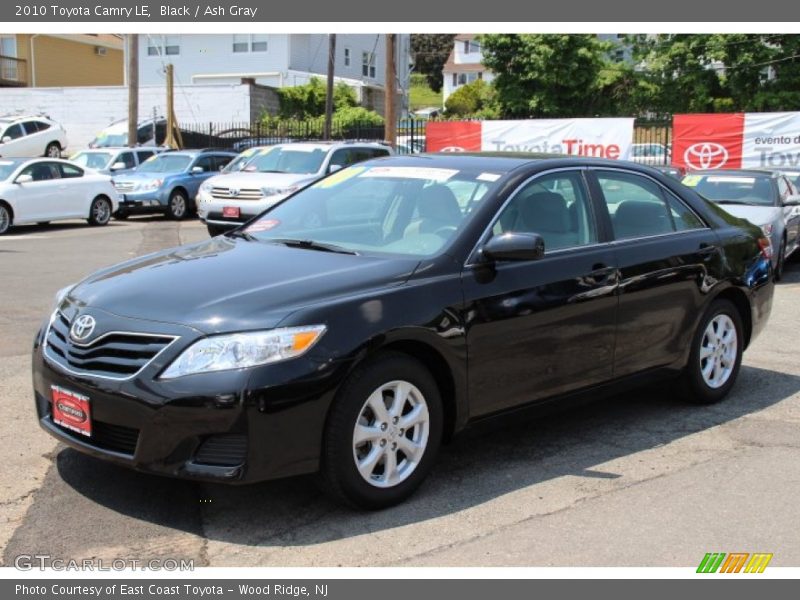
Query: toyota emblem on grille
[
  {"x": 233, "y": 192},
  {"x": 82, "y": 328},
  {"x": 706, "y": 155}
]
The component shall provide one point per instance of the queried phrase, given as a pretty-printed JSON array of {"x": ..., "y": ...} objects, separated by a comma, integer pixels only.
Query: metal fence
[{"x": 652, "y": 139}]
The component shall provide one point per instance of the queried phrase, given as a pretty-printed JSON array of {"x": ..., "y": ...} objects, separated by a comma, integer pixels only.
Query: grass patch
[{"x": 420, "y": 95}]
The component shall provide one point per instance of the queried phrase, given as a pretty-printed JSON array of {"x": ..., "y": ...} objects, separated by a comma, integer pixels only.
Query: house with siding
[
  {"x": 275, "y": 60},
  {"x": 464, "y": 65},
  {"x": 60, "y": 60}
]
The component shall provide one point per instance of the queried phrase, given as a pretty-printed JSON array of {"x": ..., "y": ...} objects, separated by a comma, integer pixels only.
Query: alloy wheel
[
  {"x": 101, "y": 211},
  {"x": 718, "y": 351},
  {"x": 391, "y": 434},
  {"x": 5, "y": 219}
]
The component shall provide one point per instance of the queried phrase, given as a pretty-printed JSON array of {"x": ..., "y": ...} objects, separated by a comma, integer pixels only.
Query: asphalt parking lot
[{"x": 633, "y": 480}]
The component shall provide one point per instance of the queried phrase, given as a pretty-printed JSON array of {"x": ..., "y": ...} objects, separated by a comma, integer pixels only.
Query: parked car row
[{"x": 22, "y": 135}]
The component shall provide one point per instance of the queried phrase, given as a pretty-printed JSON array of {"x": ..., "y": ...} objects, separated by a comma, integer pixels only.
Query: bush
[{"x": 477, "y": 99}]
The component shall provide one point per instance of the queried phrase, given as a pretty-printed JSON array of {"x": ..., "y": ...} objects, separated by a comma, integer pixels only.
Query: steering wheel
[{"x": 445, "y": 231}]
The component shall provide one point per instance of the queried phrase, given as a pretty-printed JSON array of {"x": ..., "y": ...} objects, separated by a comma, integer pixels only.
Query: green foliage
[
  {"x": 476, "y": 100},
  {"x": 420, "y": 95},
  {"x": 430, "y": 53},
  {"x": 545, "y": 75},
  {"x": 308, "y": 101}
]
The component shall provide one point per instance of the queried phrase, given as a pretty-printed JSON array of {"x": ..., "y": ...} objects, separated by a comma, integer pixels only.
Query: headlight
[
  {"x": 206, "y": 187},
  {"x": 767, "y": 229},
  {"x": 153, "y": 184},
  {"x": 269, "y": 191},
  {"x": 240, "y": 350}
]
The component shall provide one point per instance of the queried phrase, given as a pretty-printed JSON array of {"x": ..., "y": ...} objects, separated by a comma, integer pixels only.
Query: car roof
[
  {"x": 331, "y": 144},
  {"x": 735, "y": 172},
  {"x": 14, "y": 118}
]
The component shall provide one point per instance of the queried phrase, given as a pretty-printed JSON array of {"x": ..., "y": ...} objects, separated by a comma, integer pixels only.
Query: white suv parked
[
  {"x": 226, "y": 201},
  {"x": 29, "y": 136}
]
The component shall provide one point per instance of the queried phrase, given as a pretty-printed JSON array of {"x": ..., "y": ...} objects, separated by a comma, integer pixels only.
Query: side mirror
[
  {"x": 6, "y": 139},
  {"x": 118, "y": 166},
  {"x": 792, "y": 201},
  {"x": 197, "y": 170},
  {"x": 23, "y": 179},
  {"x": 514, "y": 246},
  {"x": 334, "y": 168}
]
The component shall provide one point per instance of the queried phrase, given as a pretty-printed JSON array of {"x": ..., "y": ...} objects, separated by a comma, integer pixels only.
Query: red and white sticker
[
  {"x": 263, "y": 225},
  {"x": 71, "y": 410}
]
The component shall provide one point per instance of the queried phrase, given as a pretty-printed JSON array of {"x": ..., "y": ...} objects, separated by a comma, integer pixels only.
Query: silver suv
[{"x": 230, "y": 199}]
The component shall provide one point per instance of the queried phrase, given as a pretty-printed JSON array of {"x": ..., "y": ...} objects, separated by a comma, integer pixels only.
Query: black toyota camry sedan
[{"x": 351, "y": 329}]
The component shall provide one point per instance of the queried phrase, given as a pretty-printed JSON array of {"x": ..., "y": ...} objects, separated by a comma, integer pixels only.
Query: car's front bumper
[
  {"x": 210, "y": 210},
  {"x": 233, "y": 426},
  {"x": 151, "y": 200}
]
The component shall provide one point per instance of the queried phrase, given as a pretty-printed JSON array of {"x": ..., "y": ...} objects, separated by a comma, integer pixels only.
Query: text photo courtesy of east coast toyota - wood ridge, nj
[{"x": 339, "y": 301}]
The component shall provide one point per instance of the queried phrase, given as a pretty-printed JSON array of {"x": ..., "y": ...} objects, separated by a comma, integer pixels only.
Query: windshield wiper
[
  {"x": 241, "y": 234},
  {"x": 312, "y": 245},
  {"x": 731, "y": 202}
]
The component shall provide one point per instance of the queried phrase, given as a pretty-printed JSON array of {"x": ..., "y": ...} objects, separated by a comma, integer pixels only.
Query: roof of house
[{"x": 452, "y": 67}]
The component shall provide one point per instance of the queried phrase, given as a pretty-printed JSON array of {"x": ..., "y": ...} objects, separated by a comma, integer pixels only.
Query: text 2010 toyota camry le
[{"x": 353, "y": 327}]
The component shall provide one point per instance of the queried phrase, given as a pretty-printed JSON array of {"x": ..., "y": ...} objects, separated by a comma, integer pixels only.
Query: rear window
[{"x": 733, "y": 188}]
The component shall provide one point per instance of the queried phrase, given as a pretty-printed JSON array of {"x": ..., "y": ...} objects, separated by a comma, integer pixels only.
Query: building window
[
  {"x": 455, "y": 79},
  {"x": 462, "y": 78},
  {"x": 347, "y": 57},
  {"x": 241, "y": 42},
  {"x": 368, "y": 64},
  {"x": 471, "y": 47},
  {"x": 163, "y": 45},
  {"x": 258, "y": 42}
]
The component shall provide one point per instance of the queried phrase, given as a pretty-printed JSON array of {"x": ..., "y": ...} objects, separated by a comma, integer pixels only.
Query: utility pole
[
  {"x": 132, "y": 66},
  {"x": 390, "y": 92},
  {"x": 329, "y": 95},
  {"x": 173, "y": 139}
]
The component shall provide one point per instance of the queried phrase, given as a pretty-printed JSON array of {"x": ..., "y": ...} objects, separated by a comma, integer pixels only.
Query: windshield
[
  {"x": 107, "y": 139},
  {"x": 298, "y": 160},
  {"x": 165, "y": 163},
  {"x": 92, "y": 160},
  {"x": 7, "y": 167},
  {"x": 733, "y": 189},
  {"x": 405, "y": 210},
  {"x": 238, "y": 163}
]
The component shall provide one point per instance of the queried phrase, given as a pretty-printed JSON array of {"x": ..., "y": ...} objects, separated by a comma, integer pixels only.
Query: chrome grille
[
  {"x": 124, "y": 186},
  {"x": 224, "y": 193},
  {"x": 115, "y": 355}
]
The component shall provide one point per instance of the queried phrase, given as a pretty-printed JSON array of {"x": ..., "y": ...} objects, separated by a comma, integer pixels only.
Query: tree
[
  {"x": 476, "y": 99},
  {"x": 545, "y": 75},
  {"x": 430, "y": 52},
  {"x": 308, "y": 100}
]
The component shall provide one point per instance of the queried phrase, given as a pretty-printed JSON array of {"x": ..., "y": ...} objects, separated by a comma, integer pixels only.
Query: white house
[
  {"x": 464, "y": 64},
  {"x": 276, "y": 60}
]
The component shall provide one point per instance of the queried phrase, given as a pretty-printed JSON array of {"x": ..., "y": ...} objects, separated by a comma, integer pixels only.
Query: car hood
[
  {"x": 757, "y": 215},
  {"x": 231, "y": 284},
  {"x": 146, "y": 176},
  {"x": 244, "y": 179}
]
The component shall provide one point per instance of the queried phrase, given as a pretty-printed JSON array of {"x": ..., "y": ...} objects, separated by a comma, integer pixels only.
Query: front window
[
  {"x": 14, "y": 132},
  {"x": 165, "y": 163},
  {"x": 733, "y": 189},
  {"x": 7, "y": 168},
  {"x": 92, "y": 160},
  {"x": 347, "y": 57},
  {"x": 288, "y": 160},
  {"x": 408, "y": 210}
]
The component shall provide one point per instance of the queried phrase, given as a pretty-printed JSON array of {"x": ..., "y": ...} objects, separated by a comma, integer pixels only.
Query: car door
[
  {"x": 791, "y": 214},
  {"x": 667, "y": 257},
  {"x": 542, "y": 327},
  {"x": 33, "y": 143},
  {"x": 77, "y": 190},
  {"x": 41, "y": 197},
  {"x": 13, "y": 141},
  {"x": 194, "y": 180}
]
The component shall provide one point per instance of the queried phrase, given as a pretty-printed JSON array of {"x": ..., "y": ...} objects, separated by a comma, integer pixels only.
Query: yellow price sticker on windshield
[
  {"x": 691, "y": 180},
  {"x": 339, "y": 177}
]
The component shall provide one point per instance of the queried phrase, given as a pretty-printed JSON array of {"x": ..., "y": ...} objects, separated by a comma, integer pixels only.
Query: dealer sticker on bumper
[{"x": 71, "y": 410}]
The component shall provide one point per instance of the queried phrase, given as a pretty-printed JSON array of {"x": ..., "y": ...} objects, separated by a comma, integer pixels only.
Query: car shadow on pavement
[{"x": 478, "y": 466}]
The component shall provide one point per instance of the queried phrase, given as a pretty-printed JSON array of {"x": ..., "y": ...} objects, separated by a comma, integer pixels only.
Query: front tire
[
  {"x": 716, "y": 355},
  {"x": 121, "y": 215},
  {"x": 383, "y": 433},
  {"x": 53, "y": 150},
  {"x": 5, "y": 219},
  {"x": 781, "y": 262},
  {"x": 178, "y": 206},
  {"x": 214, "y": 230},
  {"x": 100, "y": 211}
]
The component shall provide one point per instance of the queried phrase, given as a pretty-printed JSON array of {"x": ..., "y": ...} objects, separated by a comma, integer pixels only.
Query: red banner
[
  {"x": 453, "y": 136},
  {"x": 708, "y": 141}
]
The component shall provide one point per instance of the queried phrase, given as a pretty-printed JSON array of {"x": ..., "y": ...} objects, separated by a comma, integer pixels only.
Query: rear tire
[
  {"x": 716, "y": 355},
  {"x": 178, "y": 206},
  {"x": 373, "y": 458},
  {"x": 43, "y": 223},
  {"x": 53, "y": 150},
  {"x": 100, "y": 211},
  {"x": 781, "y": 262}
]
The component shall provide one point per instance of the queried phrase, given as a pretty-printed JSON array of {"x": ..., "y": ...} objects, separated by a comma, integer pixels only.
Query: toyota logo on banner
[{"x": 706, "y": 155}]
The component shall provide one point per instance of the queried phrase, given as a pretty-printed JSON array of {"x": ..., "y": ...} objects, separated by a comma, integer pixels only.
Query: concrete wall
[{"x": 84, "y": 111}]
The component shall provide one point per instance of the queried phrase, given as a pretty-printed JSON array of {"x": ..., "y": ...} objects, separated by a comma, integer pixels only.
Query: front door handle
[{"x": 602, "y": 274}]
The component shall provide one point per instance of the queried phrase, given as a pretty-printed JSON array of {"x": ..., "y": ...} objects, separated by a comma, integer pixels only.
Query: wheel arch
[
  {"x": 9, "y": 207},
  {"x": 739, "y": 299}
]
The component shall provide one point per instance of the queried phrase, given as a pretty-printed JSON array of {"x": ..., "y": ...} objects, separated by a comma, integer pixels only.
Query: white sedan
[{"x": 41, "y": 190}]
